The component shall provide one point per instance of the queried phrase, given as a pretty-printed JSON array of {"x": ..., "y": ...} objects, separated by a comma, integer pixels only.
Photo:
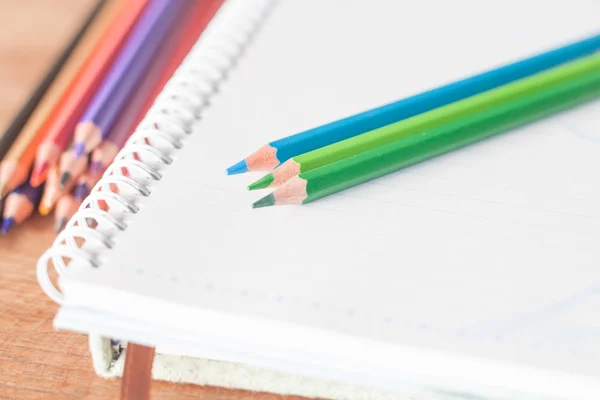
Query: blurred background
[{"x": 32, "y": 34}]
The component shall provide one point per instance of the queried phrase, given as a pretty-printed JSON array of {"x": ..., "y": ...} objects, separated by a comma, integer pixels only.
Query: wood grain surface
[{"x": 37, "y": 362}]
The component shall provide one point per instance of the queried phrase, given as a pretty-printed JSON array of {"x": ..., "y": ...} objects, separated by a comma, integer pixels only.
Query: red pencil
[
  {"x": 195, "y": 24},
  {"x": 199, "y": 19},
  {"x": 172, "y": 53}
]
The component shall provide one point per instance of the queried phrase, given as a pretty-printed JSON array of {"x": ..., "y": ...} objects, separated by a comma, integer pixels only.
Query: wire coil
[{"x": 139, "y": 165}]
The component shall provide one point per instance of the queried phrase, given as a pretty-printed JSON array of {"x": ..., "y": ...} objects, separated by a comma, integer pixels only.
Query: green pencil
[
  {"x": 429, "y": 120},
  {"x": 352, "y": 171}
]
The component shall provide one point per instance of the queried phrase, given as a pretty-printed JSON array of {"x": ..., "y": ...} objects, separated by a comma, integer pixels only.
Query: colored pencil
[
  {"x": 275, "y": 153},
  {"x": 51, "y": 192},
  {"x": 66, "y": 207},
  {"x": 10, "y": 134},
  {"x": 428, "y": 120},
  {"x": 129, "y": 118},
  {"x": 191, "y": 29},
  {"x": 172, "y": 53},
  {"x": 77, "y": 169},
  {"x": 16, "y": 163},
  {"x": 179, "y": 45},
  {"x": 58, "y": 131},
  {"x": 141, "y": 99},
  {"x": 19, "y": 205},
  {"x": 195, "y": 25},
  {"x": 159, "y": 17},
  {"x": 55, "y": 189},
  {"x": 85, "y": 184},
  {"x": 352, "y": 171}
]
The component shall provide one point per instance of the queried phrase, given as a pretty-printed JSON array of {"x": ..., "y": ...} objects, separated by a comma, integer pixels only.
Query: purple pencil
[
  {"x": 122, "y": 129},
  {"x": 19, "y": 205},
  {"x": 121, "y": 81}
]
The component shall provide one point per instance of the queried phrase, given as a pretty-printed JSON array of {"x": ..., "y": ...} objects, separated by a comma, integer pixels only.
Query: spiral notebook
[{"x": 474, "y": 275}]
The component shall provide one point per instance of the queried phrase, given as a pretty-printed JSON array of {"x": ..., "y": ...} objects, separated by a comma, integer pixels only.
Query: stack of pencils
[
  {"x": 88, "y": 105},
  {"x": 333, "y": 157}
]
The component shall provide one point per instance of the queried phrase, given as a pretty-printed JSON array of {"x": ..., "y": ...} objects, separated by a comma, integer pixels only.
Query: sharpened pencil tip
[
  {"x": 44, "y": 209},
  {"x": 95, "y": 167},
  {"x": 39, "y": 174},
  {"x": 79, "y": 149},
  {"x": 238, "y": 168},
  {"x": 65, "y": 178},
  {"x": 81, "y": 191},
  {"x": 7, "y": 224},
  {"x": 266, "y": 201},
  {"x": 60, "y": 224},
  {"x": 262, "y": 183}
]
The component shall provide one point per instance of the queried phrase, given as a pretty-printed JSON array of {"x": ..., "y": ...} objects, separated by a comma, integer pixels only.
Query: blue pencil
[{"x": 274, "y": 153}]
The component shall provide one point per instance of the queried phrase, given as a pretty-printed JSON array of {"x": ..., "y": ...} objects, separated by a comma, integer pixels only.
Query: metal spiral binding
[{"x": 140, "y": 164}]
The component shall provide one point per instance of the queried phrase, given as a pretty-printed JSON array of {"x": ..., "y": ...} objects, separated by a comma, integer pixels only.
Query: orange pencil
[{"x": 59, "y": 129}]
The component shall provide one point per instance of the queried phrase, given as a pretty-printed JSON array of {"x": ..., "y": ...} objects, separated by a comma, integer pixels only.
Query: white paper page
[{"x": 489, "y": 252}]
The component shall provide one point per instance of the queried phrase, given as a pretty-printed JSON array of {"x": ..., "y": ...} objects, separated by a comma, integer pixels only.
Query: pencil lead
[
  {"x": 44, "y": 208},
  {"x": 65, "y": 178},
  {"x": 266, "y": 201},
  {"x": 95, "y": 167},
  {"x": 79, "y": 149},
  {"x": 81, "y": 191},
  {"x": 40, "y": 171},
  {"x": 60, "y": 224},
  {"x": 7, "y": 224},
  {"x": 238, "y": 168},
  {"x": 262, "y": 183}
]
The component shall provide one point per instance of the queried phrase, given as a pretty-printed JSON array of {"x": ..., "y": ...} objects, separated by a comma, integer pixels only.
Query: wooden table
[{"x": 37, "y": 362}]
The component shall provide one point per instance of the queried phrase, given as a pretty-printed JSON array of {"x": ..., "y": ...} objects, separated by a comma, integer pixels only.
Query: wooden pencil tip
[
  {"x": 266, "y": 201},
  {"x": 262, "y": 183},
  {"x": 39, "y": 174}
]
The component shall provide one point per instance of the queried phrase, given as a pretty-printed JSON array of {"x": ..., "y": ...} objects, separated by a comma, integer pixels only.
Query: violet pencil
[
  {"x": 122, "y": 80},
  {"x": 19, "y": 205}
]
